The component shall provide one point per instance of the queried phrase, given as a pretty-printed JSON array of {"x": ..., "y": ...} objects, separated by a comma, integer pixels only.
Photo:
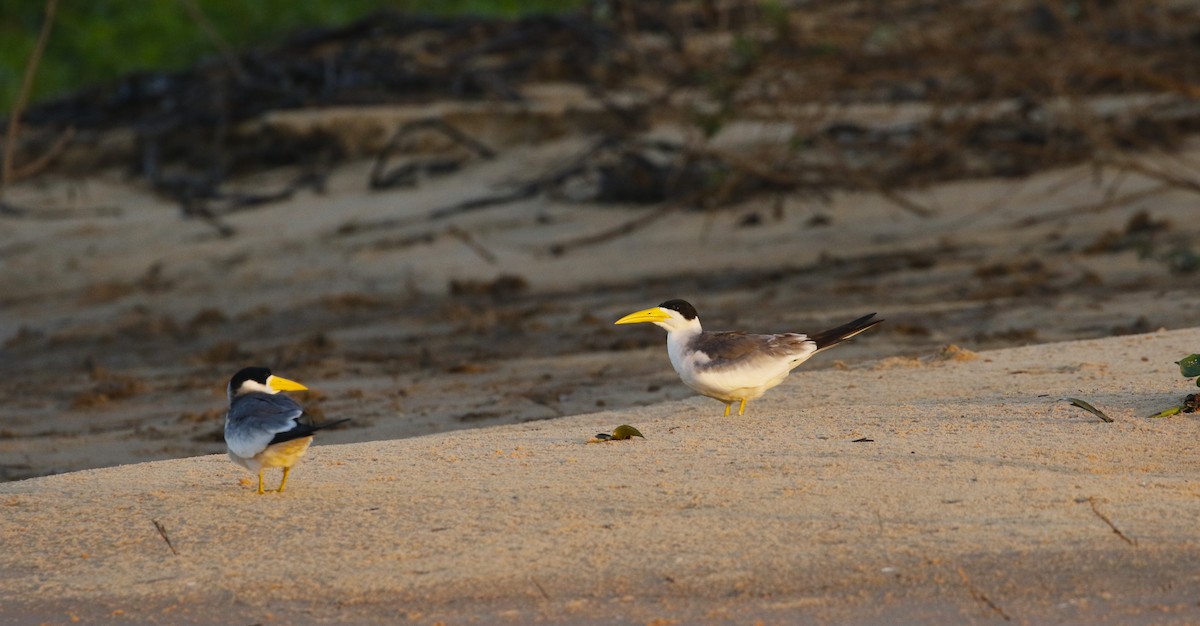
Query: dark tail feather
[
  {"x": 304, "y": 430},
  {"x": 834, "y": 336}
]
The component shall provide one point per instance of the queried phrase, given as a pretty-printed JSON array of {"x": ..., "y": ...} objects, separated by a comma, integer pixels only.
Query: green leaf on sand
[
  {"x": 1089, "y": 408},
  {"x": 1175, "y": 410},
  {"x": 1189, "y": 366},
  {"x": 625, "y": 431}
]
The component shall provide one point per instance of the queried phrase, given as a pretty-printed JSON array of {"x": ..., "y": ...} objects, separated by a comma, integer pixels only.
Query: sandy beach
[
  {"x": 124, "y": 327},
  {"x": 1028, "y": 236},
  {"x": 953, "y": 488},
  {"x": 475, "y": 367}
]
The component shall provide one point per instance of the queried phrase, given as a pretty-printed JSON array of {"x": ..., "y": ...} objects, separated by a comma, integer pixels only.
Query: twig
[
  {"x": 405, "y": 175},
  {"x": 472, "y": 243},
  {"x": 625, "y": 228},
  {"x": 906, "y": 203},
  {"x": 10, "y": 210},
  {"x": 869, "y": 181},
  {"x": 55, "y": 149},
  {"x": 1094, "y": 207},
  {"x": 525, "y": 190},
  {"x": 14, "y": 116},
  {"x": 194, "y": 207},
  {"x": 620, "y": 230},
  {"x": 1172, "y": 180},
  {"x": 1126, "y": 539},
  {"x": 980, "y": 597},
  {"x": 162, "y": 530},
  {"x": 541, "y": 589}
]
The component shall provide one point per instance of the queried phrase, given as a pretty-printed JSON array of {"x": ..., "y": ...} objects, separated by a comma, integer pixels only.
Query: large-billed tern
[
  {"x": 263, "y": 429},
  {"x": 736, "y": 366}
]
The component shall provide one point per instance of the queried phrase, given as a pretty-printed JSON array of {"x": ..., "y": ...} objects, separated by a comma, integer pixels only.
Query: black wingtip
[
  {"x": 304, "y": 430},
  {"x": 834, "y": 336},
  {"x": 324, "y": 425}
]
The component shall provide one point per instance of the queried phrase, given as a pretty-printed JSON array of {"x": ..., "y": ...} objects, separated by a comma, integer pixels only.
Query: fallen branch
[
  {"x": 11, "y": 210},
  {"x": 540, "y": 589},
  {"x": 1172, "y": 180},
  {"x": 1094, "y": 207},
  {"x": 14, "y": 116},
  {"x": 406, "y": 175},
  {"x": 472, "y": 243},
  {"x": 525, "y": 190},
  {"x": 620, "y": 230},
  {"x": 869, "y": 180},
  {"x": 1126, "y": 539},
  {"x": 193, "y": 207},
  {"x": 51, "y": 153},
  {"x": 196, "y": 197},
  {"x": 981, "y": 597},
  {"x": 162, "y": 531}
]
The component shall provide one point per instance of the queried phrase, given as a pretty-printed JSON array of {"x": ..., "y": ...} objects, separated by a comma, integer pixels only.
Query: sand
[
  {"x": 120, "y": 327},
  {"x": 475, "y": 363},
  {"x": 979, "y": 497}
]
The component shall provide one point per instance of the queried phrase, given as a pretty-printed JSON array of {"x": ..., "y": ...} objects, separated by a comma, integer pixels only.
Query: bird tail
[{"x": 834, "y": 336}]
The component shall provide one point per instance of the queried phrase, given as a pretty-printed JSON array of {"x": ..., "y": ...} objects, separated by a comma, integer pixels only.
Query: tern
[
  {"x": 263, "y": 429},
  {"x": 736, "y": 366}
]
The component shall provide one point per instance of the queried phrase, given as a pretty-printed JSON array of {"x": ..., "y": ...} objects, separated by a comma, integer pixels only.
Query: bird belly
[
  {"x": 284, "y": 454},
  {"x": 734, "y": 384},
  {"x": 251, "y": 464}
]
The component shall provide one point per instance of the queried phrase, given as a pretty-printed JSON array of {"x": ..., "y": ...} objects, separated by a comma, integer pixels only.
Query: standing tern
[
  {"x": 263, "y": 429},
  {"x": 735, "y": 366}
]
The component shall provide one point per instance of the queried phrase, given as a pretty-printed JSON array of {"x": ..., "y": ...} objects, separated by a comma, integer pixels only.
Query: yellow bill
[
  {"x": 283, "y": 384},
  {"x": 654, "y": 314}
]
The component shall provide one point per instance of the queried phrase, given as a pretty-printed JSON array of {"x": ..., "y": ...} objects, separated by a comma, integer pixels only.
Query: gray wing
[
  {"x": 255, "y": 418},
  {"x": 733, "y": 349}
]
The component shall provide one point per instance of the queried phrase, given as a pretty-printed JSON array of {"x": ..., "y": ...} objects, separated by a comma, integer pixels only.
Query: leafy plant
[{"x": 1189, "y": 367}]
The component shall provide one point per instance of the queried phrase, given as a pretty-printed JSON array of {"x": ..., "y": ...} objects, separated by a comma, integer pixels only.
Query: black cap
[
  {"x": 683, "y": 306},
  {"x": 257, "y": 374}
]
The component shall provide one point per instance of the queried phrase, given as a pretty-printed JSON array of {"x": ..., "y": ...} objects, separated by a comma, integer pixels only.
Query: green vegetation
[
  {"x": 1189, "y": 367},
  {"x": 95, "y": 41}
]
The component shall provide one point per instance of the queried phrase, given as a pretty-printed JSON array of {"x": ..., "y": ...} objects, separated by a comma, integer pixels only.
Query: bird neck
[{"x": 680, "y": 335}]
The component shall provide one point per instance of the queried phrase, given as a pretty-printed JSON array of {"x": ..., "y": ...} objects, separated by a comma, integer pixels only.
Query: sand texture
[
  {"x": 121, "y": 329},
  {"x": 979, "y": 498},
  {"x": 442, "y": 265}
]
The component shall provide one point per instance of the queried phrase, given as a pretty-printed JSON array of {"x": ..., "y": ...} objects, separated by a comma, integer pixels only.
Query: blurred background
[
  {"x": 98, "y": 42},
  {"x": 431, "y": 212}
]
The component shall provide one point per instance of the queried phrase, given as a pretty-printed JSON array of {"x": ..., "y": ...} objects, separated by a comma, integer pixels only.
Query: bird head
[
  {"x": 259, "y": 379},
  {"x": 672, "y": 315}
]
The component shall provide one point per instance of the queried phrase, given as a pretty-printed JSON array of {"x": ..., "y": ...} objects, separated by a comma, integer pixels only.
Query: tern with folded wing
[
  {"x": 264, "y": 429},
  {"x": 736, "y": 366}
]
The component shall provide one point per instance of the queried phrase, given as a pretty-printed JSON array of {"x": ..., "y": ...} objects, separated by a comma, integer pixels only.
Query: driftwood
[
  {"x": 406, "y": 176},
  {"x": 982, "y": 106}
]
